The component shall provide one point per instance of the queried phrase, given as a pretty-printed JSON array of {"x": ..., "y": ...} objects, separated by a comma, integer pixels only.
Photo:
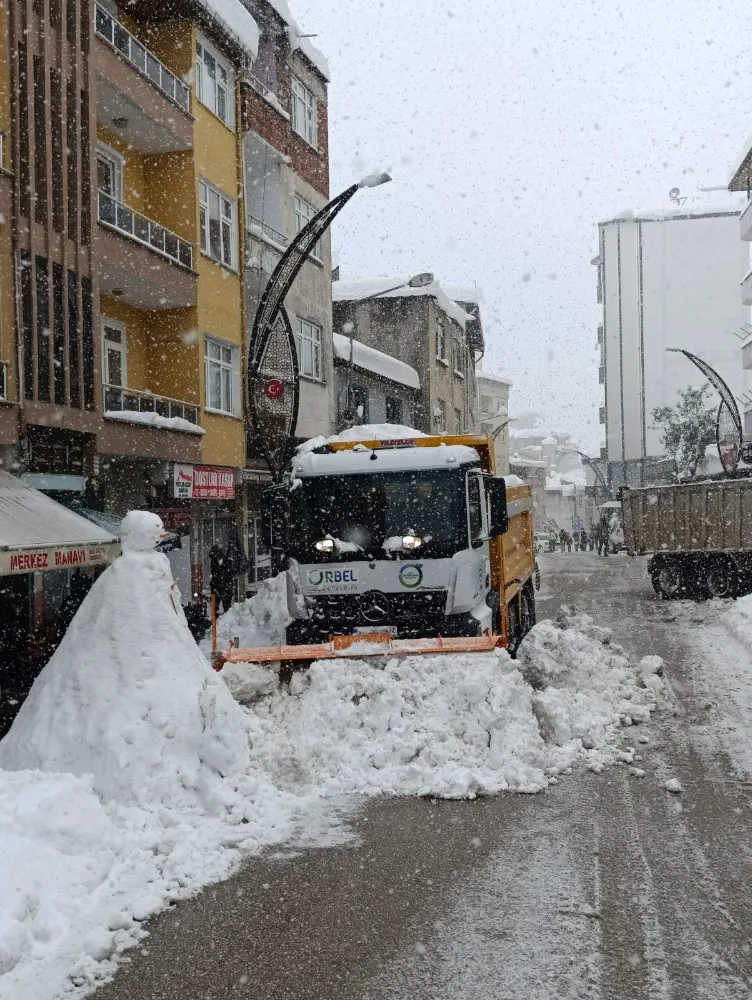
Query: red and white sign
[
  {"x": 51, "y": 558},
  {"x": 274, "y": 388},
  {"x": 203, "y": 482}
]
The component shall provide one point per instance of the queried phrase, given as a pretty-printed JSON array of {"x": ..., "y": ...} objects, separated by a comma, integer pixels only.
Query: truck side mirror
[{"x": 498, "y": 519}]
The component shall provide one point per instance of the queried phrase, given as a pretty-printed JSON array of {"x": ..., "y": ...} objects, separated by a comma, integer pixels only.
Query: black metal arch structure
[
  {"x": 728, "y": 424},
  {"x": 273, "y": 394}
]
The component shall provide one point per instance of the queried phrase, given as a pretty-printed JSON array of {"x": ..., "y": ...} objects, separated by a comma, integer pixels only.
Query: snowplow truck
[{"x": 401, "y": 546}]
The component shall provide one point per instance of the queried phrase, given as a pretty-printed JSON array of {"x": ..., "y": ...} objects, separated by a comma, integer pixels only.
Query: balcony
[
  {"x": 746, "y": 287},
  {"x": 745, "y": 222},
  {"x": 137, "y": 94},
  {"x": 257, "y": 227},
  {"x": 136, "y": 276},
  {"x": 150, "y": 426}
]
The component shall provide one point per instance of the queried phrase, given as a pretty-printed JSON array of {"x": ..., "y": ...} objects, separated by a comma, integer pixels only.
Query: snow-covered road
[{"x": 603, "y": 886}]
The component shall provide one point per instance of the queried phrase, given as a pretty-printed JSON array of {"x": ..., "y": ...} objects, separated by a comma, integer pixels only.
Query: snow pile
[
  {"x": 368, "y": 358},
  {"x": 453, "y": 726},
  {"x": 585, "y": 685},
  {"x": 738, "y": 620},
  {"x": 363, "y": 432},
  {"x": 126, "y": 781},
  {"x": 259, "y": 620}
]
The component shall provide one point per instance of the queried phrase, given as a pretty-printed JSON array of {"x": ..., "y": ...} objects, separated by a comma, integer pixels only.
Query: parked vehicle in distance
[
  {"x": 699, "y": 534},
  {"x": 540, "y": 540}
]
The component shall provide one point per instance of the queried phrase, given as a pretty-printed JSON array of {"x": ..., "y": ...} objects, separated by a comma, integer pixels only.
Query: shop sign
[
  {"x": 254, "y": 476},
  {"x": 202, "y": 482},
  {"x": 42, "y": 560}
]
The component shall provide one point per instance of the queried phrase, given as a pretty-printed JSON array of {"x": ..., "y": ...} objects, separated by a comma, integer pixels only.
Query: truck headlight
[
  {"x": 324, "y": 545},
  {"x": 411, "y": 542}
]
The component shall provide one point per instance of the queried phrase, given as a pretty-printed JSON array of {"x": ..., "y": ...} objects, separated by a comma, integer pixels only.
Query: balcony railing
[
  {"x": 113, "y": 32},
  {"x": 116, "y": 215},
  {"x": 269, "y": 231},
  {"x": 120, "y": 400}
]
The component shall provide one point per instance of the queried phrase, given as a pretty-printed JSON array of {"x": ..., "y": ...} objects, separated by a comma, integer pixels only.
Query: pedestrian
[
  {"x": 576, "y": 539},
  {"x": 583, "y": 540},
  {"x": 602, "y": 537},
  {"x": 591, "y": 538},
  {"x": 569, "y": 541},
  {"x": 552, "y": 540},
  {"x": 220, "y": 577},
  {"x": 615, "y": 534},
  {"x": 562, "y": 539}
]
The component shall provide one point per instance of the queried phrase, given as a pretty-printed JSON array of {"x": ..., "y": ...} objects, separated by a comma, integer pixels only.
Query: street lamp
[{"x": 417, "y": 281}]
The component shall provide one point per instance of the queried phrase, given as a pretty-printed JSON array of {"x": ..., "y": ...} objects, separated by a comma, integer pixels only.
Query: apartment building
[
  {"x": 286, "y": 165},
  {"x": 493, "y": 414},
  {"x": 427, "y": 330},
  {"x": 124, "y": 260},
  {"x": 741, "y": 180},
  {"x": 666, "y": 280}
]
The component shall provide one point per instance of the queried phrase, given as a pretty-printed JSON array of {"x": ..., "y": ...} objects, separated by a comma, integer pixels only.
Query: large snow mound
[
  {"x": 128, "y": 697},
  {"x": 738, "y": 620}
]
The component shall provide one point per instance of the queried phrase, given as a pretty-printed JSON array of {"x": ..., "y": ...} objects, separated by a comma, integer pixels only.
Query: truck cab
[{"x": 393, "y": 537}]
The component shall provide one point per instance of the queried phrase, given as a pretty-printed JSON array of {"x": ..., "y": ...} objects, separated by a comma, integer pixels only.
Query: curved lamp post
[
  {"x": 273, "y": 393},
  {"x": 598, "y": 474},
  {"x": 728, "y": 424}
]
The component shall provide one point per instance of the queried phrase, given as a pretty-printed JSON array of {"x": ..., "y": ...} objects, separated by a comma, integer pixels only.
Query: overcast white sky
[{"x": 511, "y": 128}]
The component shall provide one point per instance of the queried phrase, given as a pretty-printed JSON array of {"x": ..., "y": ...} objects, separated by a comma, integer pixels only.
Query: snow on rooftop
[
  {"x": 352, "y": 289},
  {"x": 464, "y": 293},
  {"x": 297, "y": 41},
  {"x": 375, "y": 361},
  {"x": 489, "y": 377},
  {"x": 711, "y": 204},
  {"x": 234, "y": 19},
  {"x": 388, "y": 460},
  {"x": 738, "y": 163}
]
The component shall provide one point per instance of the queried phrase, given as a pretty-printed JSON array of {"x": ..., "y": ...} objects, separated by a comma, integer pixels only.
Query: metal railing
[
  {"x": 262, "y": 88},
  {"x": 116, "y": 215},
  {"x": 120, "y": 400},
  {"x": 274, "y": 234},
  {"x": 113, "y": 32}
]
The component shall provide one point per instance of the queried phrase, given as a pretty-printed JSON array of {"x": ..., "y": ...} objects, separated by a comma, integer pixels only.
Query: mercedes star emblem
[{"x": 374, "y": 606}]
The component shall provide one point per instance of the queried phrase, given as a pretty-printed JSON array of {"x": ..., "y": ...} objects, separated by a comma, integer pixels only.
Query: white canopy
[{"x": 38, "y": 534}]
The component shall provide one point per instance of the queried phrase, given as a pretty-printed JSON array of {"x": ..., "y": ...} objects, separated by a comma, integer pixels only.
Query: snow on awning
[
  {"x": 38, "y": 534},
  {"x": 233, "y": 18},
  {"x": 375, "y": 361}
]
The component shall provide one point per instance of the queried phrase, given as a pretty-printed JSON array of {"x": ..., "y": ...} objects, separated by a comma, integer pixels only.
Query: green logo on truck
[{"x": 411, "y": 576}]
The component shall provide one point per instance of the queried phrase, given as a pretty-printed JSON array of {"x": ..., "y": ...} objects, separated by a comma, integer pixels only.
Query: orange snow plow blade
[{"x": 369, "y": 644}]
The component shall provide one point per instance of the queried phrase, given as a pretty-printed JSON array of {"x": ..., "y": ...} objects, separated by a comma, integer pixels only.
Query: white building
[
  {"x": 664, "y": 281},
  {"x": 493, "y": 414},
  {"x": 741, "y": 180}
]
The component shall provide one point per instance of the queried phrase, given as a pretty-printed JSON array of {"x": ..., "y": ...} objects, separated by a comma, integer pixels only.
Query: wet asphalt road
[{"x": 604, "y": 886}]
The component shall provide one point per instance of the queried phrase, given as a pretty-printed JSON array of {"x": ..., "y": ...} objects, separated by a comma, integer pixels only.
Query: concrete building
[
  {"x": 371, "y": 387},
  {"x": 664, "y": 281},
  {"x": 427, "y": 330},
  {"x": 124, "y": 295},
  {"x": 493, "y": 414},
  {"x": 741, "y": 181}
]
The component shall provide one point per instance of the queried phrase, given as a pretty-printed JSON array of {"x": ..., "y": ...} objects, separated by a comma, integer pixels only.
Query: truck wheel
[
  {"x": 720, "y": 578},
  {"x": 668, "y": 578}
]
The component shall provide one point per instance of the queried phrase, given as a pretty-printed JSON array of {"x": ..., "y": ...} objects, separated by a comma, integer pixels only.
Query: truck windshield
[{"x": 365, "y": 514}]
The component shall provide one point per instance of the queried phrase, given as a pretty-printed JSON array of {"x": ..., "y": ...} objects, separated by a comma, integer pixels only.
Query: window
[
  {"x": 439, "y": 416},
  {"x": 304, "y": 212},
  {"x": 393, "y": 410},
  {"x": 308, "y": 342},
  {"x": 304, "y": 112},
  {"x": 440, "y": 341},
  {"x": 113, "y": 344},
  {"x": 220, "y": 361},
  {"x": 458, "y": 359},
  {"x": 475, "y": 511},
  {"x": 486, "y": 405},
  {"x": 457, "y": 421},
  {"x": 216, "y": 224},
  {"x": 110, "y": 171},
  {"x": 215, "y": 83}
]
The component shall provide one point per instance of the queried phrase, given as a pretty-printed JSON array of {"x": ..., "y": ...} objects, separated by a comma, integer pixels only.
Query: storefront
[
  {"x": 49, "y": 557},
  {"x": 256, "y": 481}
]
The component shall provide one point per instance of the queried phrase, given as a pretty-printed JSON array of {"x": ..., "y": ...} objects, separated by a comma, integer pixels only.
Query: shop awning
[{"x": 38, "y": 534}]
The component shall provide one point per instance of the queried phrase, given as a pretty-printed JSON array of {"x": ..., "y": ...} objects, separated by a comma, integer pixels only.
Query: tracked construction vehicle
[{"x": 401, "y": 546}]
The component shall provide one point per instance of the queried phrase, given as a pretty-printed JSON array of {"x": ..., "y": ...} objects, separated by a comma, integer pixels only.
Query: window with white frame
[
  {"x": 215, "y": 82},
  {"x": 304, "y": 212},
  {"x": 216, "y": 224},
  {"x": 304, "y": 112},
  {"x": 110, "y": 171},
  {"x": 220, "y": 371},
  {"x": 308, "y": 342},
  {"x": 439, "y": 416},
  {"x": 440, "y": 341}
]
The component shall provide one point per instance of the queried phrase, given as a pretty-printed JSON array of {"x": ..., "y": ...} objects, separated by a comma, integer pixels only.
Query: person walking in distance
[
  {"x": 221, "y": 577},
  {"x": 563, "y": 539},
  {"x": 602, "y": 537},
  {"x": 583, "y": 540}
]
